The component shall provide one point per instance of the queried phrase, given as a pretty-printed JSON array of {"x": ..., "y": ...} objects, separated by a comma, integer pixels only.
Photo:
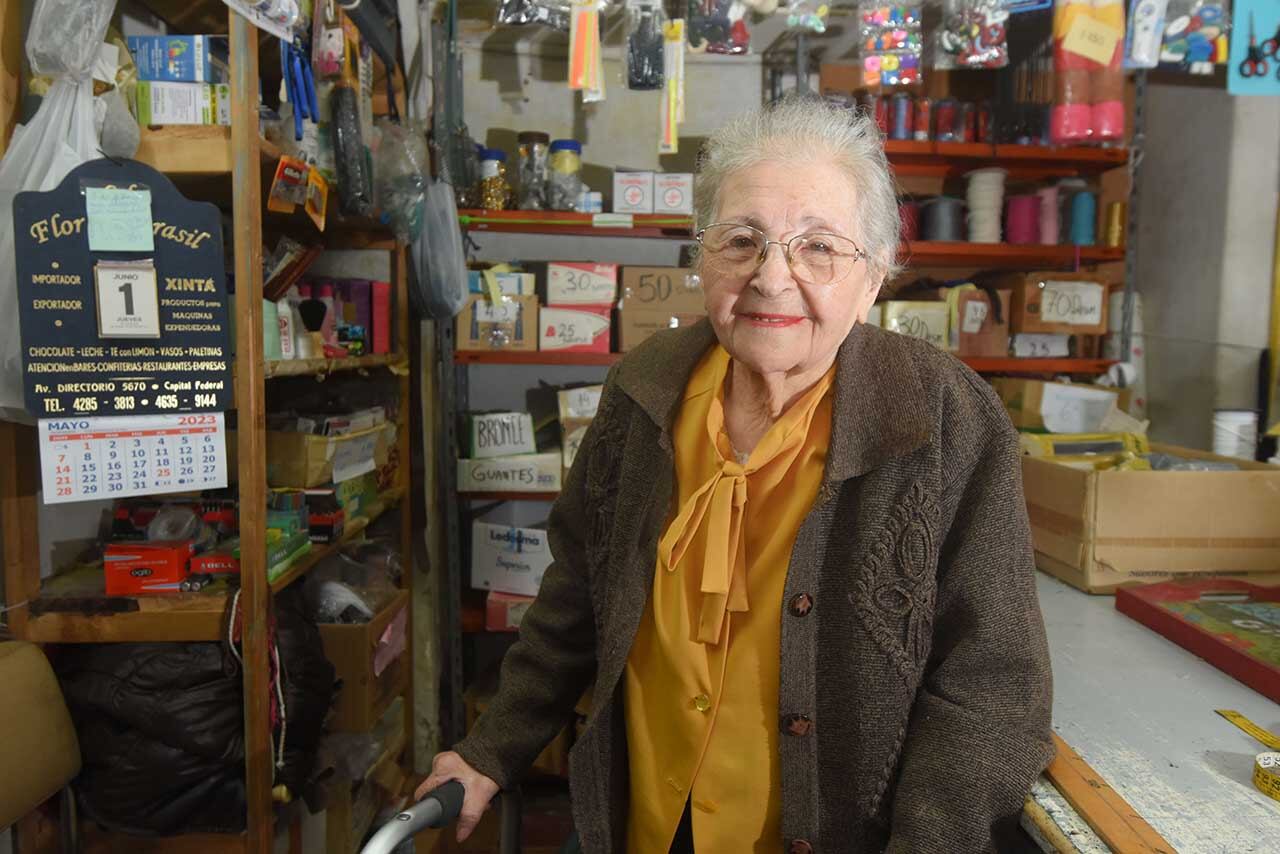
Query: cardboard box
[
  {"x": 1059, "y": 303},
  {"x": 304, "y": 460},
  {"x": 573, "y": 284},
  {"x": 927, "y": 321},
  {"x": 635, "y": 325},
  {"x": 499, "y": 434},
  {"x": 633, "y": 192},
  {"x": 525, "y": 473},
  {"x": 1099, "y": 530},
  {"x": 154, "y": 567},
  {"x": 511, "y": 284},
  {"x": 1057, "y": 407},
  {"x": 183, "y": 103},
  {"x": 180, "y": 59},
  {"x": 673, "y": 193},
  {"x": 672, "y": 289},
  {"x": 581, "y": 329},
  {"x": 365, "y": 657},
  {"x": 507, "y": 559},
  {"x": 553, "y": 760},
  {"x": 504, "y": 611},
  {"x": 580, "y": 403},
  {"x": 509, "y": 325},
  {"x": 975, "y": 330},
  {"x": 840, "y": 78}
]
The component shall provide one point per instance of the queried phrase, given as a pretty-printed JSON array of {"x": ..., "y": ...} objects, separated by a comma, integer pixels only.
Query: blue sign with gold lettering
[{"x": 121, "y": 332}]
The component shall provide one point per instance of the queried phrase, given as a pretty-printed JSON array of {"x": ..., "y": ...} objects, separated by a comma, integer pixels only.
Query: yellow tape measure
[{"x": 1266, "y": 766}]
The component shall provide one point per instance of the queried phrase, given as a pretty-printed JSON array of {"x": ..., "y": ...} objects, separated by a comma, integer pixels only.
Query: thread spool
[
  {"x": 941, "y": 218},
  {"x": 1084, "y": 219},
  {"x": 909, "y": 216},
  {"x": 1023, "y": 219},
  {"x": 985, "y": 196},
  {"x": 1115, "y": 224},
  {"x": 902, "y": 116},
  {"x": 1049, "y": 221},
  {"x": 1235, "y": 433}
]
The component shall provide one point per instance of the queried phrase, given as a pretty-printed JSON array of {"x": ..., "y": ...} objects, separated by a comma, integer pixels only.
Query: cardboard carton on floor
[{"x": 1100, "y": 530}]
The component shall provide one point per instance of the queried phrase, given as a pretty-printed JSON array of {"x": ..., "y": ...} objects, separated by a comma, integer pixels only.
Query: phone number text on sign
[{"x": 83, "y": 459}]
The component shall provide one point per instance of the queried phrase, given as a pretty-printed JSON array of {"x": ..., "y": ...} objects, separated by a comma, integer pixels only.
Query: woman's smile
[{"x": 771, "y": 321}]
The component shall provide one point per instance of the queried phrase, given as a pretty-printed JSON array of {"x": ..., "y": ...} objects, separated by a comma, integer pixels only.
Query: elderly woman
[{"x": 792, "y": 554}]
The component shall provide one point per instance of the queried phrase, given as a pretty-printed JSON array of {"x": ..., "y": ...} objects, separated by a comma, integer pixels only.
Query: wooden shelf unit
[{"x": 229, "y": 166}]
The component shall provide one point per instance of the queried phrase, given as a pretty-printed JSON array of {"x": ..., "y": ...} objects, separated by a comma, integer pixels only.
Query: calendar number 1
[{"x": 127, "y": 290}]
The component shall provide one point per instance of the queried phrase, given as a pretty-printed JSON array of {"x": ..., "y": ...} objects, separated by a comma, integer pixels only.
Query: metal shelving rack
[{"x": 211, "y": 159}]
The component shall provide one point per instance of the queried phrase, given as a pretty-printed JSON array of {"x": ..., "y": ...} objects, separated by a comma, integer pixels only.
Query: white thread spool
[
  {"x": 985, "y": 195},
  {"x": 1235, "y": 433}
]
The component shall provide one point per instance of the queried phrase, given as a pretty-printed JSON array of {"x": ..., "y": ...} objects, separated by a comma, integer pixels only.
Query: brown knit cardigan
[{"x": 915, "y": 692}]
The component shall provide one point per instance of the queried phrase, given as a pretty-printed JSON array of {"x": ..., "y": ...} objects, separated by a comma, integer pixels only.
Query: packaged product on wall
[
  {"x": 160, "y": 103},
  {"x": 892, "y": 44},
  {"x": 927, "y": 321}
]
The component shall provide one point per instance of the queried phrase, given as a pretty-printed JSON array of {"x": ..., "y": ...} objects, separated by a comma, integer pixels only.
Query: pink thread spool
[
  {"x": 909, "y": 215},
  {"x": 1049, "y": 227},
  {"x": 1023, "y": 219}
]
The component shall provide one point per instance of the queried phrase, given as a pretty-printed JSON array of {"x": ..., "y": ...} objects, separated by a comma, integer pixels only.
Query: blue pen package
[{"x": 180, "y": 59}]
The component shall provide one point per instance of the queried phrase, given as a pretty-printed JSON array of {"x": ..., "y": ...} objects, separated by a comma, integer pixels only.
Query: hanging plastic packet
[
  {"x": 549, "y": 13},
  {"x": 718, "y": 26},
  {"x": 400, "y": 177},
  {"x": 1195, "y": 36},
  {"x": 586, "y": 68},
  {"x": 892, "y": 44},
  {"x": 645, "y": 52},
  {"x": 808, "y": 15},
  {"x": 672, "y": 101},
  {"x": 355, "y": 187},
  {"x": 328, "y": 45},
  {"x": 1146, "y": 28},
  {"x": 973, "y": 34}
]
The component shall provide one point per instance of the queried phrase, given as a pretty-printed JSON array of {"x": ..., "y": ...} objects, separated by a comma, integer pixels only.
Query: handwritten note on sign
[
  {"x": 1072, "y": 303},
  {"x": 1092, "y": 39},
  {"x": 119, "y": 220}
]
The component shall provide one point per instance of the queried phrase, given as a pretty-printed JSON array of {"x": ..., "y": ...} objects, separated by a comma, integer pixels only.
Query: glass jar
[
  {"x": 531, "y": 162},
  {"x": 564, "y": 182},
  {"x": 495, "y": 192}
]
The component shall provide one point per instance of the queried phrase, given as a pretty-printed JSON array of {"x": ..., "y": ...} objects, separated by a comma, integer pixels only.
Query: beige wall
[{"x": 1209, "y": 188}]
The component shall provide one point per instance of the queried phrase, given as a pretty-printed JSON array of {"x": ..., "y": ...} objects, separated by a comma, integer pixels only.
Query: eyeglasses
[{"x": 816, "y": 258}]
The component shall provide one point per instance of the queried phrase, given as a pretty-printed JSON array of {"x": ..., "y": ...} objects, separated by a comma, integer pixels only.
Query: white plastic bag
[
  {"x": 438, "y": 257},
  {"x": 62, "y": 43}
]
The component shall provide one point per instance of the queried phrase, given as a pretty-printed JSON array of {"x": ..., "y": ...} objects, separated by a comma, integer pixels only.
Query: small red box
[
  {"x": 1231, "y": 624},
  {"x": 504, "y": 611},
  {"x": 157, "y": 567},
  {"x": 575, "y": 329},
  {"x": 217, "y": 562}
]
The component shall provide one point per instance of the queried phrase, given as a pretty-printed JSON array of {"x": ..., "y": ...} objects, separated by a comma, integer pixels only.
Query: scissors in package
[
  {"x": 1254, "y": 64},
  {"x": 300, "y": 86}
]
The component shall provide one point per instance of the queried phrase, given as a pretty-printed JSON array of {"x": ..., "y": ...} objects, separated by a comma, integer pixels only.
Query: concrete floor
[{"x": 1140, "y": 710}]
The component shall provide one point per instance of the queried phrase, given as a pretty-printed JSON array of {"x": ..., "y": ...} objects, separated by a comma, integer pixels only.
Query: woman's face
[{"x": 768, "y": 320}]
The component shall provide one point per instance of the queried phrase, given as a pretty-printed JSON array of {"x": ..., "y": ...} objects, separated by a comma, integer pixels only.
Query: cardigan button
[
  {"x": 801, "y": 605},
  {"x": 801, "y": 846},
  {"x": 799, "y": 725}
]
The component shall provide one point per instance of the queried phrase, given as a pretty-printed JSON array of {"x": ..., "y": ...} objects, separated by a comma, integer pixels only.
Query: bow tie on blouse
[{"x": 719, "y": 505}]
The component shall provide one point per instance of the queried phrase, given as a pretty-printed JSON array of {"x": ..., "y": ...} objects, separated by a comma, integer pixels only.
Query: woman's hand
[{"x": 480, "y": 790}]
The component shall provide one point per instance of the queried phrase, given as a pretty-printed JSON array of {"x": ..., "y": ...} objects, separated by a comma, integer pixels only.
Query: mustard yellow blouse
[{"x": 702, "y": 675}]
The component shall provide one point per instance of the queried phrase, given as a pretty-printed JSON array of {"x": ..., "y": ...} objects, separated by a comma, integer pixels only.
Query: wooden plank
[
  {"x": 255, "y": 597},
  {"x": 201, "y": 619},
  {"x": 19, "y": 516},
  {"x": 1044, "y": 830},
  {"x": 323, "y": 367},
  {"x": 1110, "y": 816}
]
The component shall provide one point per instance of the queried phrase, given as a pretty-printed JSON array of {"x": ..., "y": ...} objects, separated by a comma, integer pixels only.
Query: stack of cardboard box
[{"x": 578, "y": 303}]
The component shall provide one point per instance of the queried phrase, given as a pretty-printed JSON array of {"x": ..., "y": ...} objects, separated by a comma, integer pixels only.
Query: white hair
[{"x": 807, "y": 128}]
